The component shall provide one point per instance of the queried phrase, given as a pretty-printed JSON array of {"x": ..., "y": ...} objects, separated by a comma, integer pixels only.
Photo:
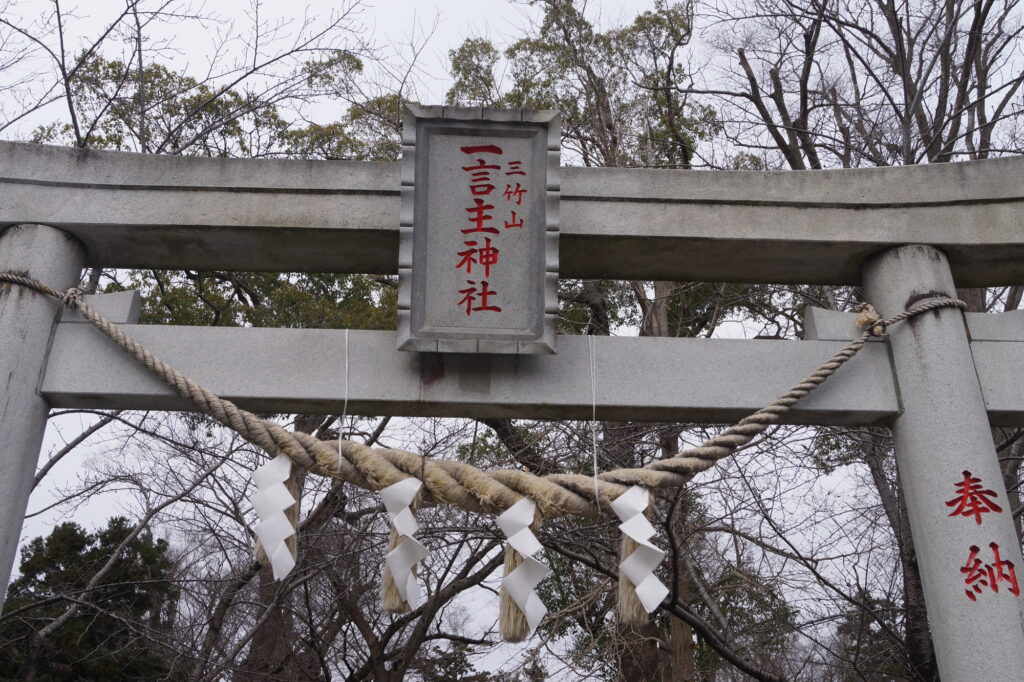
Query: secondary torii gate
[{"x": 906, "y": 234}]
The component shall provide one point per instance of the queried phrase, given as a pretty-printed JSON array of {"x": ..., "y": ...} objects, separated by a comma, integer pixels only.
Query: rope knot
[
  {"x": 72, "y": 297},
  {"x": 870, "y": 319}
]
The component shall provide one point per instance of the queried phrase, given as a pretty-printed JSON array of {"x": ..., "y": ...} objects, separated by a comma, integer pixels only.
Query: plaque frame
[{"x": 419, "y": 125}]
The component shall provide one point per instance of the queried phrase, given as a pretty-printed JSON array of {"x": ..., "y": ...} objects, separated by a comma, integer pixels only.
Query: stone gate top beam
[
  {"x": 133, "y": 210},
  {"x": 660, "y": 379}
]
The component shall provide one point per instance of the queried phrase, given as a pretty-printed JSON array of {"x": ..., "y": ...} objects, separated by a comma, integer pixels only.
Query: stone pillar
[
  {"x": 27, "y": 319},
  {"x": 942, "y": 433}
]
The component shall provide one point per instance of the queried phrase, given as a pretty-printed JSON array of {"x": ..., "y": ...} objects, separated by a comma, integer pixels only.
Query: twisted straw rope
[{"x": 457, "y": 483}]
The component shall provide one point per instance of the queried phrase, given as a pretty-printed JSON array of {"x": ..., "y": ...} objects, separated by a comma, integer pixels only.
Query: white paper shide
[
  {"x": 397, "y": 500},
  {"x": 271, "y": 501},
  {"x": 639, "y": 566},
  {"x": 520, "y": 583}
]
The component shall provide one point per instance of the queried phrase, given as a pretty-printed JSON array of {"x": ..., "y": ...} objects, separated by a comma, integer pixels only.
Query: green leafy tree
[
  {"x": 472, "y": 72},
  {"x": 755, "y": 610},
  {"x": 369, "y": 131},
  {"x": 180, "y": 115},
  {"x": 615, "y": 89},
  {"x": 163, "y": 111},
  {"x": 866, "y": 650},
  {"x": 259, "y": 299},
  {"x": 116, "y": 633},
  {"x": 449, "y": 664}
]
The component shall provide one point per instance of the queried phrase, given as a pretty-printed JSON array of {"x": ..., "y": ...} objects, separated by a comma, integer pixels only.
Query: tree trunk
[
  {"x": 272, "y": 652},
  {"x": 681, "y": 646},
  {"x": 920, "y": 652},
  {"x": 681, "y": 649},
  {"x": 1012, "y": 455},
  {"x": 639, "y": 655},
  {"x": 918, "y": 641}
]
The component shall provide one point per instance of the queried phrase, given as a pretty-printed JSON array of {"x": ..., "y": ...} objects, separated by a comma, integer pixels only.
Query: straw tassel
[
  {"x": 640, "y": 591},
  {"x": 400, "y": 592},
  {"x": 521, "y": 609},
  {"x": 276, "y": 505},
  {"x": 511, "y": 620},
  {"x": 628, "y": 607},
  {"x": 391, "y": 600}
]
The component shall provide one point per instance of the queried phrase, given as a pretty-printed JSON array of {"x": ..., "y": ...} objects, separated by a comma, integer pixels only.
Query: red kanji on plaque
[
  {"x": 978, "y": 576},
  {"x": 485, "y": 256},
  {"x": 482, "y": 149},
  {"x": 972, "y": 499},
  {"x": 516, "y": 194},
  {"x": 469, "y": 295},
  {"x": 481, "y": 172},
  {"x": 515, "y": 168},
  {"x": 514, "y": 223},
  {"x": 481, "y": 189},
  {"x": 481, "y": 166},
  {"x": 478, "y": 216},
  {"x": 474, "y": 299}
]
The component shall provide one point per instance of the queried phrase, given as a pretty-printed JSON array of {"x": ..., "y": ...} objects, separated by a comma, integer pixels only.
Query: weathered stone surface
[
  {"x": 941, "y": 436},
  {"x": 119, "y": 307},
  {"x": 178, "y": 212},
  {"x": 834, "y": 325},
  {"x": 26, "y": 320},
  {"x": 291, "y": 370},
  {"x": 475, "y": 234}
]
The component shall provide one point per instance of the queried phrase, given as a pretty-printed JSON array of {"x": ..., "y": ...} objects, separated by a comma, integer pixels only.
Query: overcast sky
[{"x": 391, "y": 26}]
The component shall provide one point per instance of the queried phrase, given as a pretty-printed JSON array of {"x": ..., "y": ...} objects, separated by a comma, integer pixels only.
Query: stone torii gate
[{"x": 907, "y": 235}]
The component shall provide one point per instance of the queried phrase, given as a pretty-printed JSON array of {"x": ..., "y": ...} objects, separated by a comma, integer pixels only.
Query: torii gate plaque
[{"x": 478, "y": 244}]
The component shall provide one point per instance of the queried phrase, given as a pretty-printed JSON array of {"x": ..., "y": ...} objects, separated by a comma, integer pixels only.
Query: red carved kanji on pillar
[
  {"x": 1004, "y": 571},
  {"x": 978, "y": 576},
  {"x": 972, "y": 499}
]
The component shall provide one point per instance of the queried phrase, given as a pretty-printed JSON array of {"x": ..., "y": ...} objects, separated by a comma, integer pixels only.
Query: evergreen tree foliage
[{"x": 116, "y": 635}]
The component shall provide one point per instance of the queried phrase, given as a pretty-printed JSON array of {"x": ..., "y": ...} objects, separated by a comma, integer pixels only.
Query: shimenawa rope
[{"x": 461, "y": 484}]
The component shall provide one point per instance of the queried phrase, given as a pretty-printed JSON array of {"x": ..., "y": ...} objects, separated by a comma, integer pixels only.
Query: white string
[
  {"x": 593, "y": 416},
  {"x": 344, "y": 405}
]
